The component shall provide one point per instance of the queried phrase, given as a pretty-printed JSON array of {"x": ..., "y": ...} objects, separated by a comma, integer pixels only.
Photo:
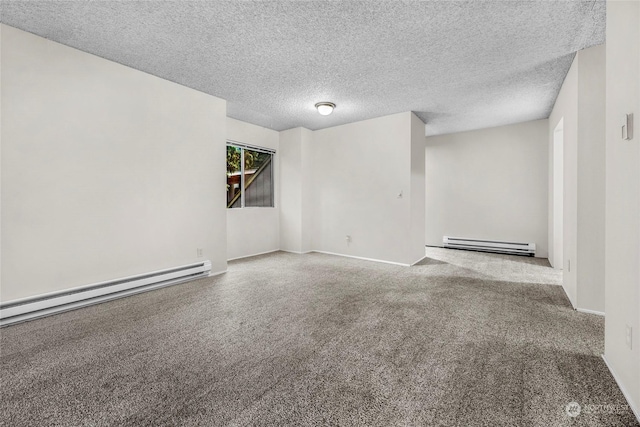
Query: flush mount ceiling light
[{"x": 325, "y": 108}]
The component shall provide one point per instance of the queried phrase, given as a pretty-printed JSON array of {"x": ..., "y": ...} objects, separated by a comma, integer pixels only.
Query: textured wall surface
[{"x": 457, "y": 65}]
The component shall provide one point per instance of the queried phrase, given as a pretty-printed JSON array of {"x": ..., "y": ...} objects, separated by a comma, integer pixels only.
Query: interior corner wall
[
  {"x": 566, "y": 109},
  {"x": 488, "y": 184},
  {"x": 622, "y": 211},
  {"x": 297, "y": 194},
  {"x": 291, "y": 186},
  {"x": 106, "y": 171},
  {"x": 307, "y": 197},
  {"x": 252, "y": 231},
  {"x": 362, "y": 189}
]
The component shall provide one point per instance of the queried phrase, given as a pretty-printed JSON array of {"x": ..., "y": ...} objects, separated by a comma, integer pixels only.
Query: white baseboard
[
  {"x": 569, "y": 298},
  {"x": 419, "y": 260},
  {"x": 586, "y": 310},
  {"x": 217, "y": 273},
  {"x": 336, "y": 254},
  {"x": 624, "y": 391},
  {"x": 363, "y": 258},
  {"x": 249, "y": 256}
]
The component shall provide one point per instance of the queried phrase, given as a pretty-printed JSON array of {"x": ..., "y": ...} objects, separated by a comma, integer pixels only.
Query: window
[{"x": 249, "y": 176}]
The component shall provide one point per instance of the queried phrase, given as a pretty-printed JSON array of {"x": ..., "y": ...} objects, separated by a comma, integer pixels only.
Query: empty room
[{"x": 346, "y": 213}]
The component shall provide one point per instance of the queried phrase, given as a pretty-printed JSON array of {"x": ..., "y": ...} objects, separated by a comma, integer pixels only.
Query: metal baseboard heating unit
[
  {"x": 46, "y": 304},
  {"x": 511, "y": 248}
]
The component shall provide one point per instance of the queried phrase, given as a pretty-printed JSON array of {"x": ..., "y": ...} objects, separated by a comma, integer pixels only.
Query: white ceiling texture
[{"x": 459, "y": 65}]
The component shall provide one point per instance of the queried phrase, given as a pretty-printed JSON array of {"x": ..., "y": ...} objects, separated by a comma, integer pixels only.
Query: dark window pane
[
  {"x": 234, "y": 160},
  {"x": 258, "y": 179}
]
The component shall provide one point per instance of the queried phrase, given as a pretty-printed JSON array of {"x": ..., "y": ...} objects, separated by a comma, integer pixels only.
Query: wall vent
[
  {"x": 495, "y": 246},
  {"x": 69, "y": 299}
]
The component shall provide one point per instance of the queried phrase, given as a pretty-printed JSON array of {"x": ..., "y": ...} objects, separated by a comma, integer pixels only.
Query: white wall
[
  {"x": 106, "y": 171},
  {"x": 556, "y": 198},
  {"x": 416, "y": 250},
  {"x": 581, "y": 106},
  {"x": 1, "y": 298},
  {"x": 591, "y": 179},
  {"x": 359, "y": 171},
  {"x": 566, "y": 109},
  {"x": 488, "y": 184},
  {"x": 292, "y": 178},
  {"x": 622, "y": 212},
  {"x": 252, "y": 231},
  {"x": 307, "y": 198}
]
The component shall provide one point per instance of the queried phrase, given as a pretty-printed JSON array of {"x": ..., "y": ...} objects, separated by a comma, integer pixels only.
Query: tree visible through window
[{"x": 249, "y": 177}]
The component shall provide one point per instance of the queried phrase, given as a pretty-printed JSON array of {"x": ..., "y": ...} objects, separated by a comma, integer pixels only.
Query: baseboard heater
[
  {"x": 55, "y": 302},
  {"x": 495, "y": 246}
]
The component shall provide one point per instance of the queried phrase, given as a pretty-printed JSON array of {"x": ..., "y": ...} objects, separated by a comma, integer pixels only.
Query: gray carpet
[{"x": 462, "y": 339}]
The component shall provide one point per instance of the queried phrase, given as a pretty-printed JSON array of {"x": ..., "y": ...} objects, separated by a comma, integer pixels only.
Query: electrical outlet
[
  {"x": 199, "y": 252},
  {"x": 628, "y": 336}
]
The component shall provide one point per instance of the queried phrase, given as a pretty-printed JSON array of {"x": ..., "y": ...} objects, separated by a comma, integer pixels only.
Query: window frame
[{"x": 243, "y": 146}]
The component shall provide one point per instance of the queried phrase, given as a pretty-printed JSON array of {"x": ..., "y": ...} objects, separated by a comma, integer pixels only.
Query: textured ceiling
[{"x": 457, "y": 65}]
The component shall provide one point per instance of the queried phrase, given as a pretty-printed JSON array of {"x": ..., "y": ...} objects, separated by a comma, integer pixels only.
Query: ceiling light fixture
[{"x": 325, "y": 108}]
